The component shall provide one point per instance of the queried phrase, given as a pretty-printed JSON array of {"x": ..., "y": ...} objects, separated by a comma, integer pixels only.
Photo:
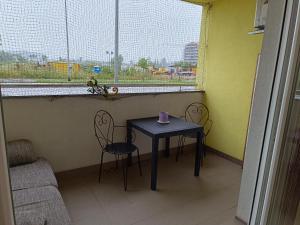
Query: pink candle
[{"x": 163, "y": 117}]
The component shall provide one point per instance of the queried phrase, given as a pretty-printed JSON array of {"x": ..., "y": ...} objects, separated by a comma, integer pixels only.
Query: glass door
[{"x": 286, "y": 192}]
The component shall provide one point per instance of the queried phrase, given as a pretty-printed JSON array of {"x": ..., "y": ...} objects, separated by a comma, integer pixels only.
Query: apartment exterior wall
[
  {"x": 226, "y": 71},
  {"x": 191, "y": 53}
]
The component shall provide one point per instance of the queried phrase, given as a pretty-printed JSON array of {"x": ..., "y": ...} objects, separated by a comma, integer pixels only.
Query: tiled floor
[{"x": 182, "y": 199}]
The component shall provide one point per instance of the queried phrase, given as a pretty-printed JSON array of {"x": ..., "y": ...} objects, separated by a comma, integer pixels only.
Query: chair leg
[
  {"x": 100, "y": 169},
  {"x": 117, "y": 161},
  {"x": 178, "y": 147},
  {"x": 204, "y": 146},
  {"x": 139, "y": 162},
  {"x": 203, "y": 152},
  {"x": 202, "y": 160},
  {"x": 125, "y": 168},
  {"x": 182, "y": 145}
]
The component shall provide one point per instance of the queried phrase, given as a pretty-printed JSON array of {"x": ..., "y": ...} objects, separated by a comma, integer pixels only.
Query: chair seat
[{"x": 120, "y": 148}]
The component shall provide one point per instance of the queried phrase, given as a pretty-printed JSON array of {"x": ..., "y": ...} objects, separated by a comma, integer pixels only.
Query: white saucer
[{"x": 163, "y": 122}]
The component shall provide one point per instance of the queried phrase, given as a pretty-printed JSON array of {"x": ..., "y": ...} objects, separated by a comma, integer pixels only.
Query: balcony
[
  {"x": 61, "y": 129},
  {"x": 58, "y": 119}
]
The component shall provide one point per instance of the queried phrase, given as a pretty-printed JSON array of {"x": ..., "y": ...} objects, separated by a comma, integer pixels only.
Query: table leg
[
  {"x": 198, "y": 154},
  {"x": 129, "y": 142},
  {"x": 154, "y": 160},
  {"x": 167, "y": 150}
]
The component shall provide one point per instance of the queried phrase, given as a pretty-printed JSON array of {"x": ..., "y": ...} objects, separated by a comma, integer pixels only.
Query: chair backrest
[
  {"x": 104, "y": 128},
  {"x": 197, "y": 113}
]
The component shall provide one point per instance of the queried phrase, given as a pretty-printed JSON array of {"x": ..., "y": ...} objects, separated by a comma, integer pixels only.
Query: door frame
[
  {"x": 263, "y": 110},
  {"x": 288, "y": 59},
  {"x": 6, "y": 206}
]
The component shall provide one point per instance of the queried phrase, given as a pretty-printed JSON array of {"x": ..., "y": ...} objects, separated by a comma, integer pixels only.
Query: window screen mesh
[
  {"x": 32, "y": 34},
  {"x": 91, "y": 35},
  {"x": 153, "y": 37}
]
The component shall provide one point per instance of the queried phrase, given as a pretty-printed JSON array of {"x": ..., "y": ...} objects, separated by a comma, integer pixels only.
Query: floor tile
[{"x": 181, "y": 199}]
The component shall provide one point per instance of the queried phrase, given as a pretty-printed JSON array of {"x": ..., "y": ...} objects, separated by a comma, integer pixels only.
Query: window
[{"x": 66, "y": 41}]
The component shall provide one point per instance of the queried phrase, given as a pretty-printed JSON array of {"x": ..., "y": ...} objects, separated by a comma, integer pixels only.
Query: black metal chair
[
  {"x": 104, "y": 131},
  {"x": 197, "y": 113}
]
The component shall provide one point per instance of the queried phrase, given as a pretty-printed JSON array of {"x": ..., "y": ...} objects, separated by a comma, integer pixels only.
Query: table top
[{"x": 151, "y": 127}]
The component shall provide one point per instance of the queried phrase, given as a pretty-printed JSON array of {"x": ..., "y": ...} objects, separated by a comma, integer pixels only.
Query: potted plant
[{"x": 104, "y": 90}]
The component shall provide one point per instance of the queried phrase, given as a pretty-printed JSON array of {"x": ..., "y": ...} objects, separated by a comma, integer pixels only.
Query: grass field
[{"x": 38, "y": 74}]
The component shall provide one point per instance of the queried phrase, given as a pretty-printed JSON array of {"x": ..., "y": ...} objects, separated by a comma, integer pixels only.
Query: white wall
[{"x": 62, "y": 129}]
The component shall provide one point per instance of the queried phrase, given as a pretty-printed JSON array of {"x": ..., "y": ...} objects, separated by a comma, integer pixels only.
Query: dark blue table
[{"x": 155, "y": 130}]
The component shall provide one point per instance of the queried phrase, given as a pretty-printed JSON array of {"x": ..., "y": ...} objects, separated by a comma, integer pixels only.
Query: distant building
[
  {"x": 190, "y": 54},
  {"x": 63, "y": 67}
]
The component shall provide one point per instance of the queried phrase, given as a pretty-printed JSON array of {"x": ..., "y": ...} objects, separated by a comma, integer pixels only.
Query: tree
[
  {"x": 6, "y": 57},
  {"x": 120, "y": 61},
  {"x": 44, "y": 58},
  {"x": 143, "y": 63}
]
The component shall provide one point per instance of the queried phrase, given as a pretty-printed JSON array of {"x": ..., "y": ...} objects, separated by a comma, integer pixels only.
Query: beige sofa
[{"x": 36, "y": 198}]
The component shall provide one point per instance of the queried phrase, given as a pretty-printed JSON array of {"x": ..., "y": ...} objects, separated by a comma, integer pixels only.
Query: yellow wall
[{"x": 229, "y": 72}]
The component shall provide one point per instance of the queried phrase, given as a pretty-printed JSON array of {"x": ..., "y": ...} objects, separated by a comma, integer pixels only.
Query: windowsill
[{"x": 29, "y": 91}]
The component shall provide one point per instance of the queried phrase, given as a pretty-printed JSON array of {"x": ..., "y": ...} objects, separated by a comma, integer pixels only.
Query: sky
[{"x": 153, "y": 29}]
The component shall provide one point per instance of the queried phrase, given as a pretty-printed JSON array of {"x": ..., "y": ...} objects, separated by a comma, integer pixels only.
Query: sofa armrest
[{"x": 20, "y": 152}]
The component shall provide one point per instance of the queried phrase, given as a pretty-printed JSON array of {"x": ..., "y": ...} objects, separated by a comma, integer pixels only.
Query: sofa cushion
[
  {"x": 37, "y": 174},
  {"x": 30, "y": 217},
  {"x": 34, "y": 195},
  {"x": 43, "y": 199},
  {"x": 20, "y": 152}
]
